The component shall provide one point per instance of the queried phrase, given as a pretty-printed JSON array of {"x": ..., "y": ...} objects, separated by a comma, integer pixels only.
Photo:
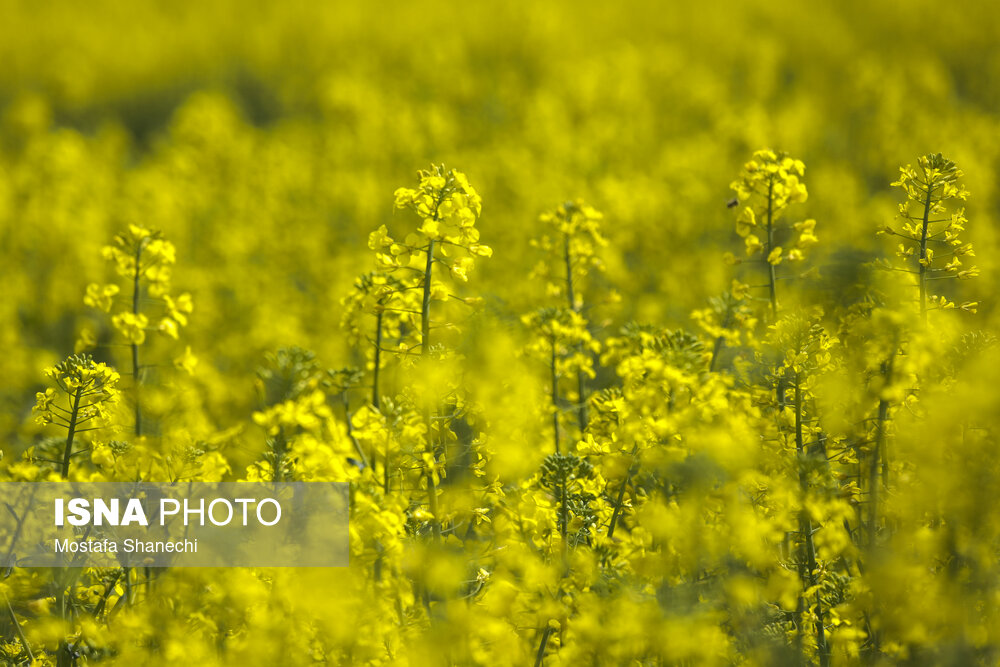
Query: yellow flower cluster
[
  {"x": 764, "y": 461},
  {"x": 929, "y": 232},
  {"x": 145, "y": 259},
  {"x": 88, "y": 389},
  {"x": 448, "y": 207},
  {"x": 143, "y": 254},
  {"x": 768, "y": 184},
  {"x": 572, "y": 251}
]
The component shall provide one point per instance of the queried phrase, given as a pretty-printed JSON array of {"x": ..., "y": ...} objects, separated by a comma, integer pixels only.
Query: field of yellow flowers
[{"x": 643, "y": 333}]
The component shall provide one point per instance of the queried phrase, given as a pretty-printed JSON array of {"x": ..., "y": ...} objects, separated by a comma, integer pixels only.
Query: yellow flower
[
  {"x": 100, "y": 297},
  {"x": 180, "y": 308},
  {"x": 132, "y": 326},
  {"x": 187, "y": 361},
  {"x": 86, "y": 341},
  {"x": 168, "y": 327}
]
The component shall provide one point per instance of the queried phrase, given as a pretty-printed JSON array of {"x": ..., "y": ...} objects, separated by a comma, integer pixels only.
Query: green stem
[
  {"x": 135, "y": 348},
  {"x": 63, "y": 656},
  {"x": 425, "y": 337},
  {"x": 425, "y": 308},
  {"x": 433, "y": 503},
  {"x": 385, "y": 468},
  {"x": 772, "y": 282},
  {"x": 17, "y": 629},
  {"x": 280, "y": 446},
  {"x": 568, "y": 261},
  {"x": 879, "y": 455},
  {"x": 555, "y": 394},
  {"x": 581, "y": 410},
  {"x": 68, "y": 451},
  {"x": 376, "y": 399},
  {"x": 616, "y": 514},
  {"x": 378, "y": 359},
  {"x": 806, "y": 529},
  {"x": 564, "y": 519},
  {"x": 923, "y": 252},
  {"x": 873, "y": 473},
  {"x": 540, "y": 655},
  {"x": 716, "y": 349}
]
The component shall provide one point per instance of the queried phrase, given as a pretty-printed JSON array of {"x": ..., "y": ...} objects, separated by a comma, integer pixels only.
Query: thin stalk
[
  {"x": 385, "y": 469},
  {"x": 568, "y": 261},
  {"x": 581, "y": 410},
  {"x": 564, "y": 520},
  {"x": 425, "y": 337},
  {"x": 540, "y": 655},
  {"x": 425, "y": 308},
  {"x": 378, "y": 359},
  {"x": 874, "y": 491},
  {"x": 873, "y": 472},
  {"x": 555, "y": 394},
  {"x": 129, "y": 588},
  {"x": 135, "y": 347},
  {"x": 280, "y": 449},
  {"x": 716, "y": 349},
  {"x": 806, "y": 529},
  {"x": 433, "y": 503},
  {"x": 63, "y": 656},
  {"x": 68, "y": 451},
  {"x": 859, "y": 510},
  {"x": 108, "y": 590},
  {"x": 879, "y": 457},
  {"x": 770, "y": 246},
  {"x": 376, "y": 398},
  {"x": 616, "y": 514},
  {"x": 17, "y": 628},
  {"x": 923, "y": 252}
]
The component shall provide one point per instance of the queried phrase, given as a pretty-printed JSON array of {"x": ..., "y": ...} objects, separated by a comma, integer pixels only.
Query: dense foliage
[{"x": 618, "y": 383}]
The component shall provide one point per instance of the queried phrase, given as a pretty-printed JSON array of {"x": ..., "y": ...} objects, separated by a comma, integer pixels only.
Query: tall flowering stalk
[
  {"x": 928, "y": 234},
  {"x": 448, "y": 207},
  {"x": 806, "y": 356},
  {"x": 573, "y": 239},
  {"x": 144, "y": 258},
  {"x": 380, "y": 310},
  {"x": 767, "y": 185},
  {"x": 562, "y": 341},
  {"x": 83, "y": 393}
]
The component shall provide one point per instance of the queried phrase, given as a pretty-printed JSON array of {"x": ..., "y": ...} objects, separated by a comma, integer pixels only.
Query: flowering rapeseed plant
[
  {"x": 597, "y": 448},
  {"x": 768, "y": 184},
  {"x": 925, "y": 236},
  {"x": 86, "y": 392}
]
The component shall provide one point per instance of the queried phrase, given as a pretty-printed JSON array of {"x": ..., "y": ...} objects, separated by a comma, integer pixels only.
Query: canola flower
[
  {"x": 575, "y": 250},
  {"x": 924, "y": 236},
  {"x": 759, "y": 471},
  {"x": 145, "y": 260},
  {"x": 768, "y": 184},
  {"x": 701, "y": 497},
  {"x": 83, "y": 394}
]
